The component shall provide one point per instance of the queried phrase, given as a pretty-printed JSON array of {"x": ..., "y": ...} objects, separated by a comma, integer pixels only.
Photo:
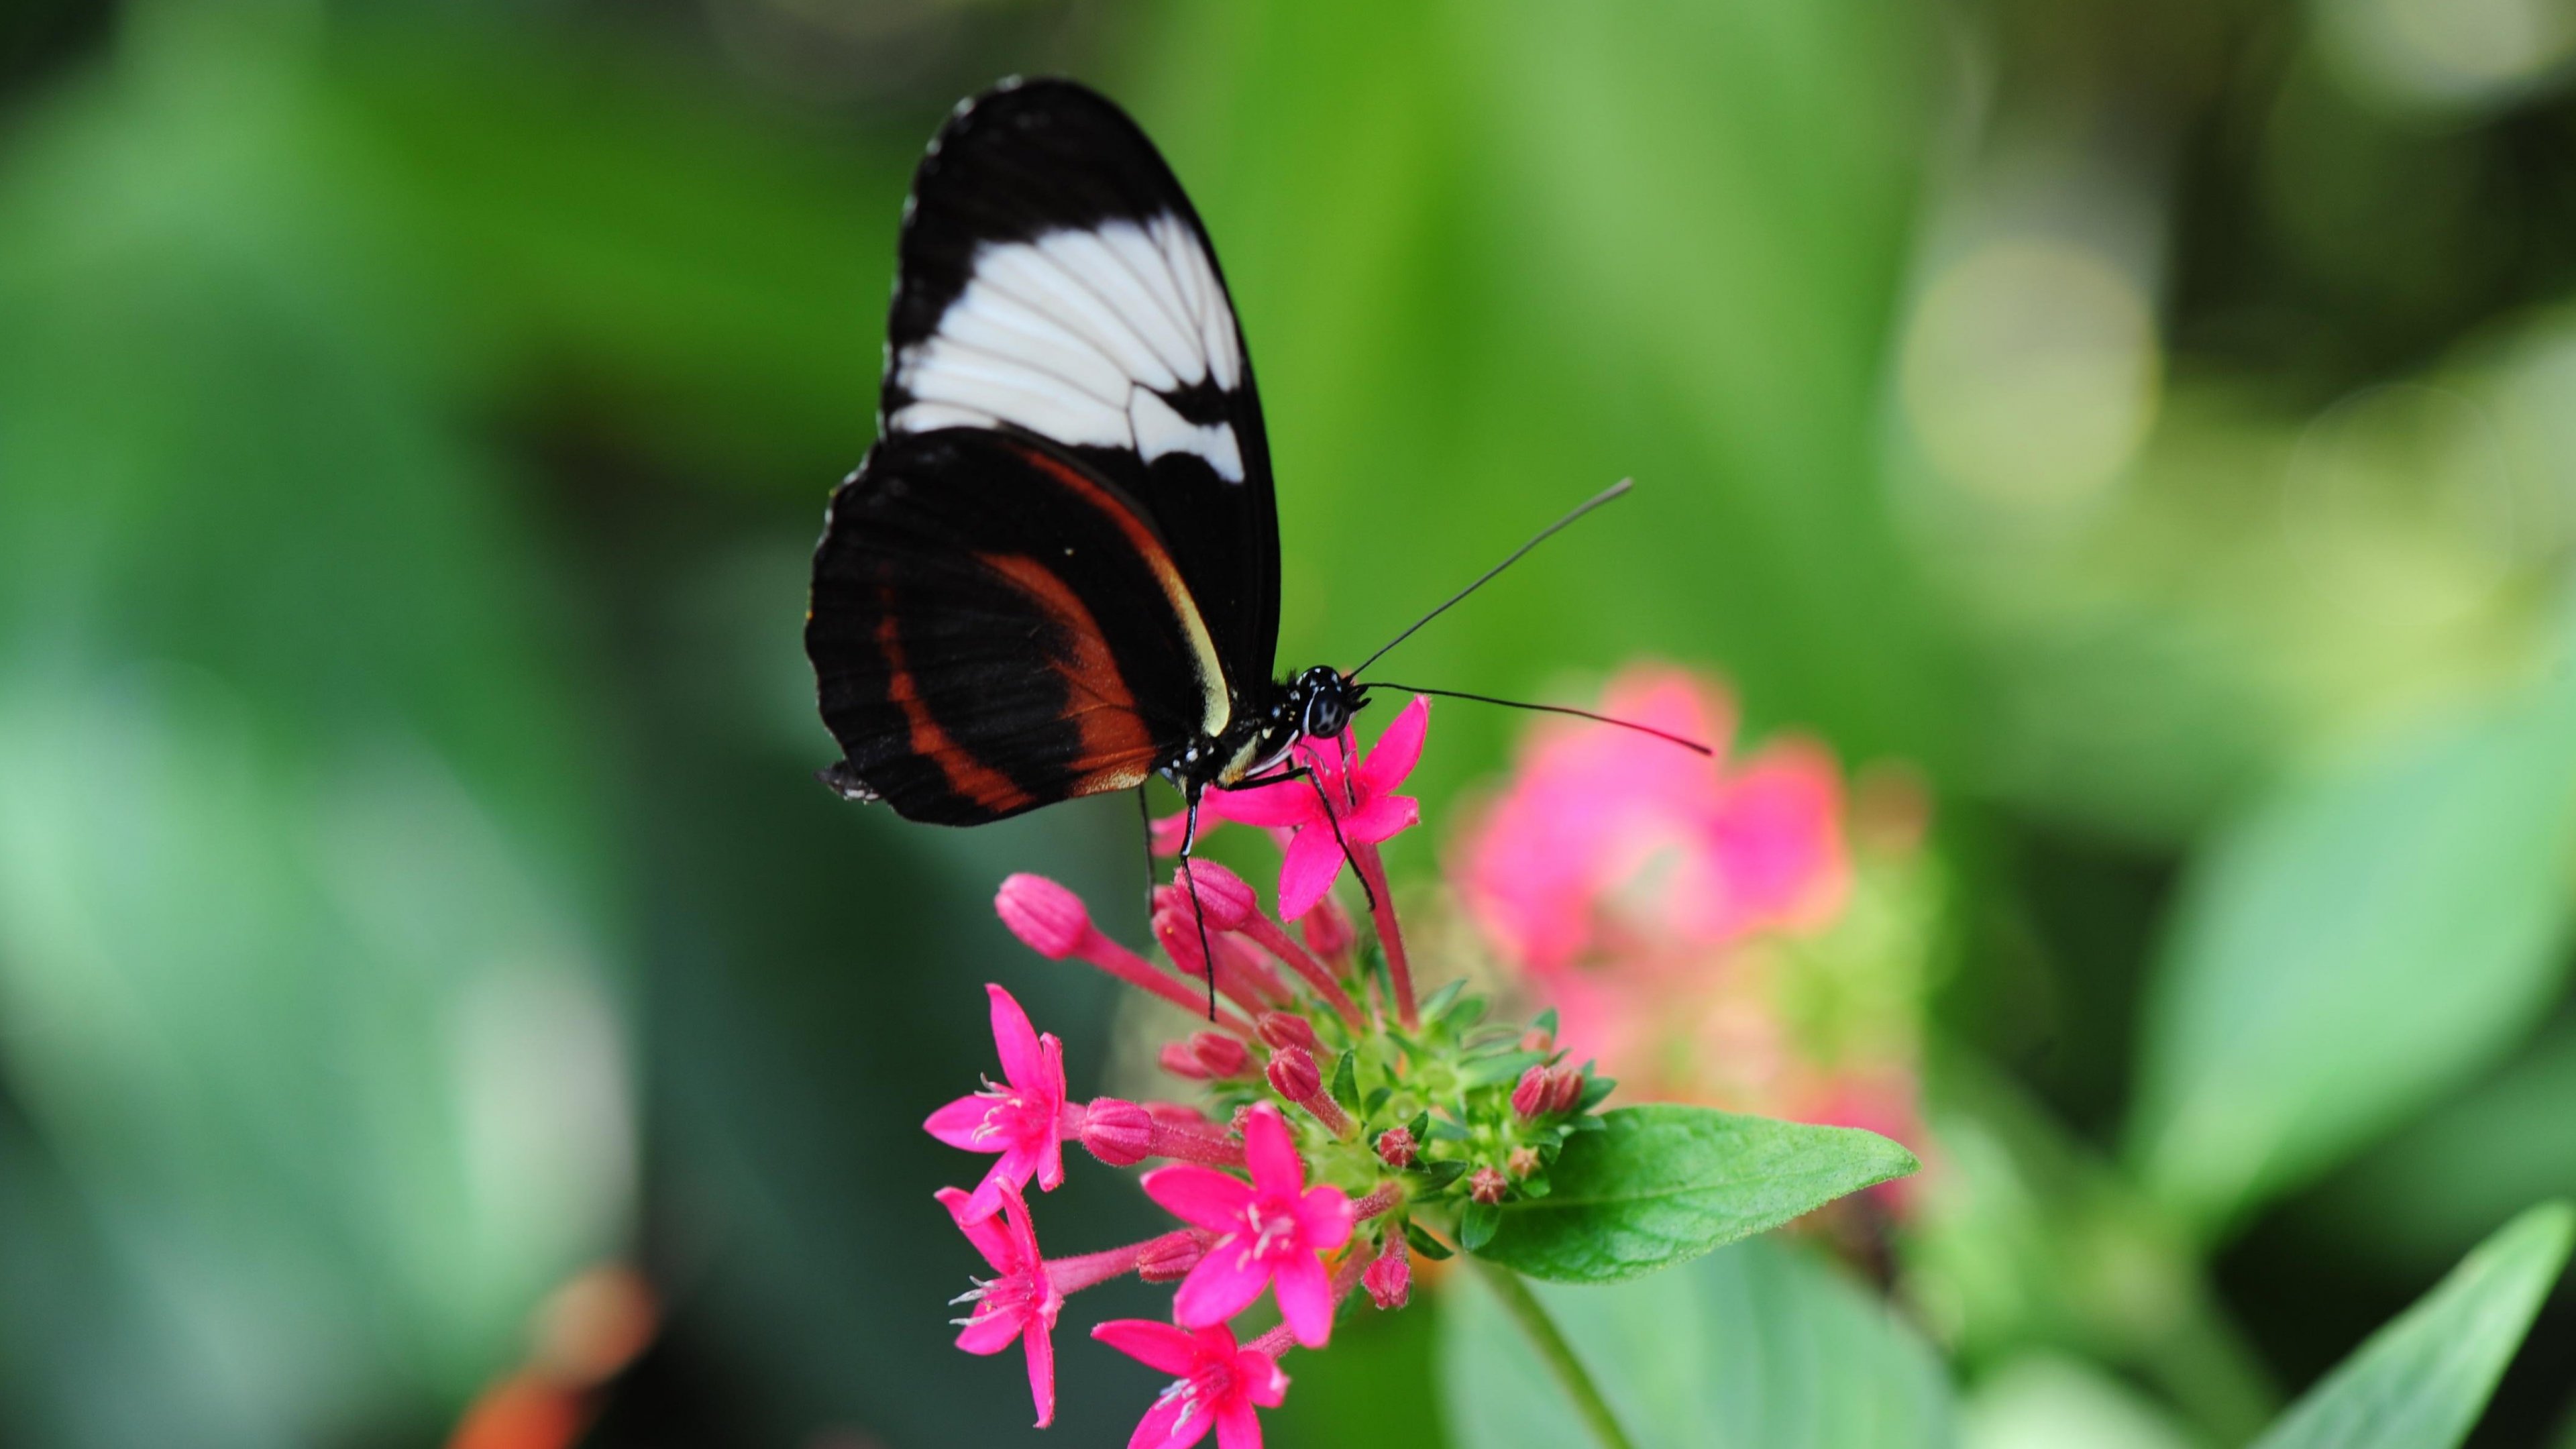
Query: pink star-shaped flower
[
  {"x": 1219, "y": 1383},
  {"x": 1271, "y": 1230},
  {"x": 1022, "y": 1120},
  {"x": 1018, "y": 1301},
  {"x": 1363, "y": 799}
]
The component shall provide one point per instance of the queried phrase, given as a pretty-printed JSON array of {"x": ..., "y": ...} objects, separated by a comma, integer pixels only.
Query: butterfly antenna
[
  {"x": 1542, "y": 536},
  {"x": 1626, "y": 724}
]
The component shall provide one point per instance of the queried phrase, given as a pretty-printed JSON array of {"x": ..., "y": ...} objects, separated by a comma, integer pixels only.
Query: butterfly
[{"x": 1056, "y": 573}]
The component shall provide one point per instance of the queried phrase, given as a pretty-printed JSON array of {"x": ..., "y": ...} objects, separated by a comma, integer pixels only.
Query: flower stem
[
  {"x": 1532, "y": 1316},
  {"x": 1389, "y": 935}
]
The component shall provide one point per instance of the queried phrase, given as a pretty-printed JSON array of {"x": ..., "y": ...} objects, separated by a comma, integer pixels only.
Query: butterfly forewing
[
  {"x": 994, "y": 628},
  {"x": 1056, "y": 282}
]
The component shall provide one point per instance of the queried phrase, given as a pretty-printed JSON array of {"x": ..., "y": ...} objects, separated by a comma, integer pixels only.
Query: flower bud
[
  {"x": 1229, "y": 903},
  {"x": 1177, "y": 1059},
  {"x": 1294, "y": 1075},
  {"x": 1170, "y": 1258},
  {"x": 1179, "y": 933},
  {"x": 1222, "y": 1055},
  {"x": 1485, "y": 1185},
  {"x": 1389, "y": 1280},
  {"x": 1530, "y": 1094},
  {"x": 1118, "y": 1133},
  {"x": 1522, "y": 1162},
  {"x": 1537, "y": 1039},
  {"x": 1181, "y": 1115},
  {"x": 1281, "y": 1029},
  {"x": 1396, "y": 1147},
  {"x": 1047, "y": 918},
  {"x": 1567, "y": 1089},
  {"x": 1329, "y": 932}
]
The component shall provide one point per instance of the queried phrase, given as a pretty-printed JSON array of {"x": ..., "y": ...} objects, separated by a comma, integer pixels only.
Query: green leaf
[
  {"x": 1761, "y": 1344},
  {"x": 1346, "y": 1080},
  {"x": 2352, "y": 948},
  {"x": 2422, "y": 1381},
  {"x": 1425, "y": 1244},
  {"x": 1663, "y": 1184},
  {"x": 1476, "y": 1225}
]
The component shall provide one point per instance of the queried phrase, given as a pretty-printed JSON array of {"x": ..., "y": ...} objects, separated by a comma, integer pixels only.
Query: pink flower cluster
[
  {"x": 1254, "y": 1219},
  {"x": 1683, "y": 915}
]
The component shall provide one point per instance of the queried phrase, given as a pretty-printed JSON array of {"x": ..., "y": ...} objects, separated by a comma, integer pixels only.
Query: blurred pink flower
[
  {"x": 1606, "y": 831},
  {"x": 1219, "y": 1384},
  {"x": 1271, "y": 1230},
  {"x": 1023, "y": 1119},
  {"x": 1018, "y": 1301}
]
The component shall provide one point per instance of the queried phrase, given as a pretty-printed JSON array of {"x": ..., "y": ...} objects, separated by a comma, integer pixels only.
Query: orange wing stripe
[
  {"x": 1116, "y": 747},
  {"x": 967, "y": 775}
]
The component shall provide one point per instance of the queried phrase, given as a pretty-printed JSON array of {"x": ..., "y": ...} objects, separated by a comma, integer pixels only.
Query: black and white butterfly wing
[{"x": 1056, "y": 283}]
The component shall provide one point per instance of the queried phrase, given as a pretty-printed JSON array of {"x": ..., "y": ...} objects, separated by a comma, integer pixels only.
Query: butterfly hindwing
[
  {"x": 995, "y": 627},
  {"x": 1055, "y": 281}
]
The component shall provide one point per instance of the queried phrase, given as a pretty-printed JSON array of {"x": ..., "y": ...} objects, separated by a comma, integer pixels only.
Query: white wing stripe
[
  {"x": 1032, "y": 277},
  {"x": 1083, "y": 337}
]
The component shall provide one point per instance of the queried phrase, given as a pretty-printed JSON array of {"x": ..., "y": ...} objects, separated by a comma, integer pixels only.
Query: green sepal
[
  {"x": 1425, "y": 1244},
  {"x": 1437, "y": 1003}
]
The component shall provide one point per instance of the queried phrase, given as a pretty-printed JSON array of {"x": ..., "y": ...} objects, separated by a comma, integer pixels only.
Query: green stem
[{"x": 1532, "y": 1316}]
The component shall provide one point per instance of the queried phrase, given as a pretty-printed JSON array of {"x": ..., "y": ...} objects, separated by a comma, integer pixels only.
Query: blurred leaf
[
  {"x": 2353, "y": 946},
  {"x": 300, "y": 870},
  {"x": 1756, "y": 1347},
  {"x": 2417, "y": 1201},
  {"x": 2422, "y": 1381},
  {"x": 1663, "y": 1184},
  {"x": 2044, "y": 1401}
]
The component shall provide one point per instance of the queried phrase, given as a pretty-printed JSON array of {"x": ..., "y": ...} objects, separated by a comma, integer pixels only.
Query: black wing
[
  {"x": 994, "y": 628},
  {"x": 1055, "y": 281}
]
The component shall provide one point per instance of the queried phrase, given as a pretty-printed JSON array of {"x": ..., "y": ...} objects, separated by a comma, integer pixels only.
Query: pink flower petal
[
  {"x": 1200, "y": 1196},
  {"x": 1223, "y": 1284},
  {"x": 1237, "y": 1427},
  {"x": 958, "y": 1123},
  {"x": 1398, "y": 750},
  {"x": 1051, "y": 1145},
  {"x": 1155, "y": 1345},
  {"x": 1324, "y": 1219},
  {"x": 1042, "y": 1371},
  {"x": 1016, "y": 1040},
  {"x": 1288, "y": 803},
  {"x": 1271, "y": 1152},
  {"x": 1305, "y": 1299},
  {"x": 1259, "y": 1373},
  {"x": 1307, "y": 871},
  {"x": 983, "y": 1229},
  {"x": 1382, "y": 818},
  {"x": 1161, "y": 1422},
  {"x": 990, "y": 1333}
]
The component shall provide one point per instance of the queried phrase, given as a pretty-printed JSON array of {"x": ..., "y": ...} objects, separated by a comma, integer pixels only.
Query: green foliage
[
  {"x": 1661, "y": 1185},
  {"x": 2351, "y": 947},
  {"x": 2422, "y": 1381},
  {"x": 1758, "y": 1346}
]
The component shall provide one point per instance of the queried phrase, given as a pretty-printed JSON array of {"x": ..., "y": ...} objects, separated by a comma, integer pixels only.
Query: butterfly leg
[{"x": 1189, "y": 843}]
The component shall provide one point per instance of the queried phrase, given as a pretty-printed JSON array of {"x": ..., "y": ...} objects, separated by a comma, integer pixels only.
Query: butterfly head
[{"x": 1323, "y": 700}]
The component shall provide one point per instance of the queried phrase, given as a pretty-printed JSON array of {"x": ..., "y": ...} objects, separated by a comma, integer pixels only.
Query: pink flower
[
  {"x": 1219, "y": 1383},
  {"x": 1605, "y": 825},
  {"x": 1272, "y": 1230},
  {"x": 1022, "y": 1120},
  {"x": 1363, "y": 799},
  {"x": 1018, "y": 1301}
]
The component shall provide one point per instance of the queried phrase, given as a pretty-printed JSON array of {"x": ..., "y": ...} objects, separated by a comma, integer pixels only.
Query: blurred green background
[{"x": 2157, "y": 424}]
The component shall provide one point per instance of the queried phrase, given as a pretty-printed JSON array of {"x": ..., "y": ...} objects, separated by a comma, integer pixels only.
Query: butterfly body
[{"x": 1056, "y": 573}]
